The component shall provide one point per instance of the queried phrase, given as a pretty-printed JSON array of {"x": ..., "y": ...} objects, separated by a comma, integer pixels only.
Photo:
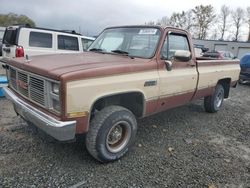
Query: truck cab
[{"x": 128, "y": 72}]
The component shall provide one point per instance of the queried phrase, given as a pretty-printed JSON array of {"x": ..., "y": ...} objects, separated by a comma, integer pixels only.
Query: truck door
[{"x": 177, "y": 71}]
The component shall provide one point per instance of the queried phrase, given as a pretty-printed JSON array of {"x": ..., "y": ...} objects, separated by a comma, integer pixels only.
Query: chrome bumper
[{"x": 60, "y": 130}]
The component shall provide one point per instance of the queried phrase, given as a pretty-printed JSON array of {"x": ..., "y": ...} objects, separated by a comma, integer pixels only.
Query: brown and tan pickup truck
[{"x": 128, "y": 72}]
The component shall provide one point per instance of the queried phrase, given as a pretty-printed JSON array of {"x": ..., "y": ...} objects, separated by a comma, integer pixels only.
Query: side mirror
[
  {"x": 182, "y": 55},
  {"x": 168, "y": 65}
]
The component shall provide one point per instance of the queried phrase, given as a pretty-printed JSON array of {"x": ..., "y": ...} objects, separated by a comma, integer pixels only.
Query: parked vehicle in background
[
  {"x": 203, "y": 49},
  {"x": 2, "y": 30},
  {"x": 245, "y": 69},
  {"x": 19, "y": 41},
  {"x": 198, "y": 52},
  {"x": 128, "y": 72},
  {"x": 219, "y": 55}
]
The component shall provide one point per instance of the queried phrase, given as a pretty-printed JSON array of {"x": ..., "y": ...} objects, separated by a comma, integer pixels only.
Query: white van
[{"x": 20, "y": 41}]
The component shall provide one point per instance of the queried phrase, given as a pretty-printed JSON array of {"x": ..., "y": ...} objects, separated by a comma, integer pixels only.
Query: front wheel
[
  {"x": 214, "y": 102},
  {"x": 111, "y": 133}
]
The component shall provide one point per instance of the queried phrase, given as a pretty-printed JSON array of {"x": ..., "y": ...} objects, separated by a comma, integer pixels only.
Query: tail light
[{"x": 19, "y": 51}]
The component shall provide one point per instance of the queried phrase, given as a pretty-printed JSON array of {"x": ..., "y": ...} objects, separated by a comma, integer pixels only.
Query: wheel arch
[
  {"x": 225, "y": 82},
  {"x": 136, "y": 96}
]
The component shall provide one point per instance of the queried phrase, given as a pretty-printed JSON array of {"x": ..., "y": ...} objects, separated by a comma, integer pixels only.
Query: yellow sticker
[{"x": 77, "y": 114}]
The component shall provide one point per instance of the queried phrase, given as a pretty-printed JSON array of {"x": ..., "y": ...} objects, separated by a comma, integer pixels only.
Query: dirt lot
[{"x": 182, "y": 147}]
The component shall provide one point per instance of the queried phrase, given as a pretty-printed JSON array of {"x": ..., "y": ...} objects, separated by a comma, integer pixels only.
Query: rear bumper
[{"x": 60, "y": 130}]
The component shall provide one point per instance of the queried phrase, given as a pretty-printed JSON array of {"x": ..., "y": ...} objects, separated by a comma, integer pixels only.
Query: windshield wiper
[
  {"x": 96, "y": 50},
  {"x": 120, "y": 52},
  {"x": 114, "y": 51}
]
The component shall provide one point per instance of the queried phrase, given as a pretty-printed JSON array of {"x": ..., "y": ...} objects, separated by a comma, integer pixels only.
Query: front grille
[
  {"x": 22, "y": 83},
  {"x": 13, "y": 78},
  {"x": 37, "y": 90},
  {"x": 29, "y": 86}
]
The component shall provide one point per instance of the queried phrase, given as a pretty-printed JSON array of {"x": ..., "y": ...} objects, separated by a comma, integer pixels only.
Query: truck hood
[{"x": 87, "y": 64}]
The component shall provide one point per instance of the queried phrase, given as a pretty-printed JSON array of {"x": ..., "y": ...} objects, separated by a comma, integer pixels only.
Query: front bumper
[{"x": 60, "y": 130}]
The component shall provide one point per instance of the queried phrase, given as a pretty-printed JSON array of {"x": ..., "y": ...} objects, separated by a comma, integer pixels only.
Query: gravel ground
[{"x": 182, "y": 147}]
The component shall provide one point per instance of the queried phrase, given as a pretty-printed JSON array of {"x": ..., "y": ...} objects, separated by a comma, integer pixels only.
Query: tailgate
[{"x": 9, "y": 51}]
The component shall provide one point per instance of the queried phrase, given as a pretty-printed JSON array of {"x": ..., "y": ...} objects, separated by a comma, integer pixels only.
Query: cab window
[
  {"x": 67, "y": 43},
  {"x": 39, "y": 39},
  {"x": 176, "y": 42}
]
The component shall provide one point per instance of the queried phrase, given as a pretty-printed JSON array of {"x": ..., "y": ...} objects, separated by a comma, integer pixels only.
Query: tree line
[
  {"x": 13, "y": 19},
  {"x": 203, "y": 23}
]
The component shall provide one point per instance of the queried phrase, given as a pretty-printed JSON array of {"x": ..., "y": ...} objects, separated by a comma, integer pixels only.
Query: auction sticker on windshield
[{"x": 147, "y": 31}]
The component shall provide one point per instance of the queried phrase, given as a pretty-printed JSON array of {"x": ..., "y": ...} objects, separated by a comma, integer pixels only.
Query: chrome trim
[
  {"x": 60, "y": 130},
  {"x": 47, "y": 93}
]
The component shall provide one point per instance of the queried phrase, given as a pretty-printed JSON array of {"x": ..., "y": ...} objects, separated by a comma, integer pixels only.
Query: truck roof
[
  {"x": 148, "y": 26},
  {"x": 46, "y": 29}
]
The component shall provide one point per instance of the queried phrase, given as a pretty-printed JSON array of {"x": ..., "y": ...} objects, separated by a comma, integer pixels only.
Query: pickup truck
[{"x": 128, "y": 72}]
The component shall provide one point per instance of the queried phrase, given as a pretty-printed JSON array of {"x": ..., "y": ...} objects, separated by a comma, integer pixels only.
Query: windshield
[{"x": 138, "y": 42}]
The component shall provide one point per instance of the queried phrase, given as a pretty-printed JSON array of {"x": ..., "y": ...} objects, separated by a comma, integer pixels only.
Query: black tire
[
  {"x": 111, "y": 133},
  {"x": 214, "y": 102}
]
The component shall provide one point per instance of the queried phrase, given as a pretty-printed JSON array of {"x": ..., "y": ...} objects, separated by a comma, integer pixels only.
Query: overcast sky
[{"x": 92, "y": 16}]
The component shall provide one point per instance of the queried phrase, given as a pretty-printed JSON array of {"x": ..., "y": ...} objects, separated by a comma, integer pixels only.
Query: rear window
[
  {"x": 38, "y": 39},
  {"x": 67, "y": 43},
  {"x": 10, "y": 36}
]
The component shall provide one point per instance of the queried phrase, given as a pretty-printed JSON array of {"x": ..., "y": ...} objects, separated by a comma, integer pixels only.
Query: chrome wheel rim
[
  {"x": 118, "y": 136},
  {"x": 219, "y": 98}
]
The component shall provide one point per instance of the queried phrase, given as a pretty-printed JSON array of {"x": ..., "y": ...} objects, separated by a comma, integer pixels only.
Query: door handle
[{"x": 191, "y": 65}]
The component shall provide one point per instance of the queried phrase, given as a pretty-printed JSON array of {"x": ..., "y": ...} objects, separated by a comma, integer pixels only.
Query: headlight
[
  {"x": 55, "y": 88},
  {"x": 54, "y": 100},
  {"x": 56, "y": 105}
]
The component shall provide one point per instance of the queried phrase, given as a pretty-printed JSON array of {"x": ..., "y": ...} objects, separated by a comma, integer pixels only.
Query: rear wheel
[
  {"x": 214, "y": 102},
  {"x": 111, "y": 134}
]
